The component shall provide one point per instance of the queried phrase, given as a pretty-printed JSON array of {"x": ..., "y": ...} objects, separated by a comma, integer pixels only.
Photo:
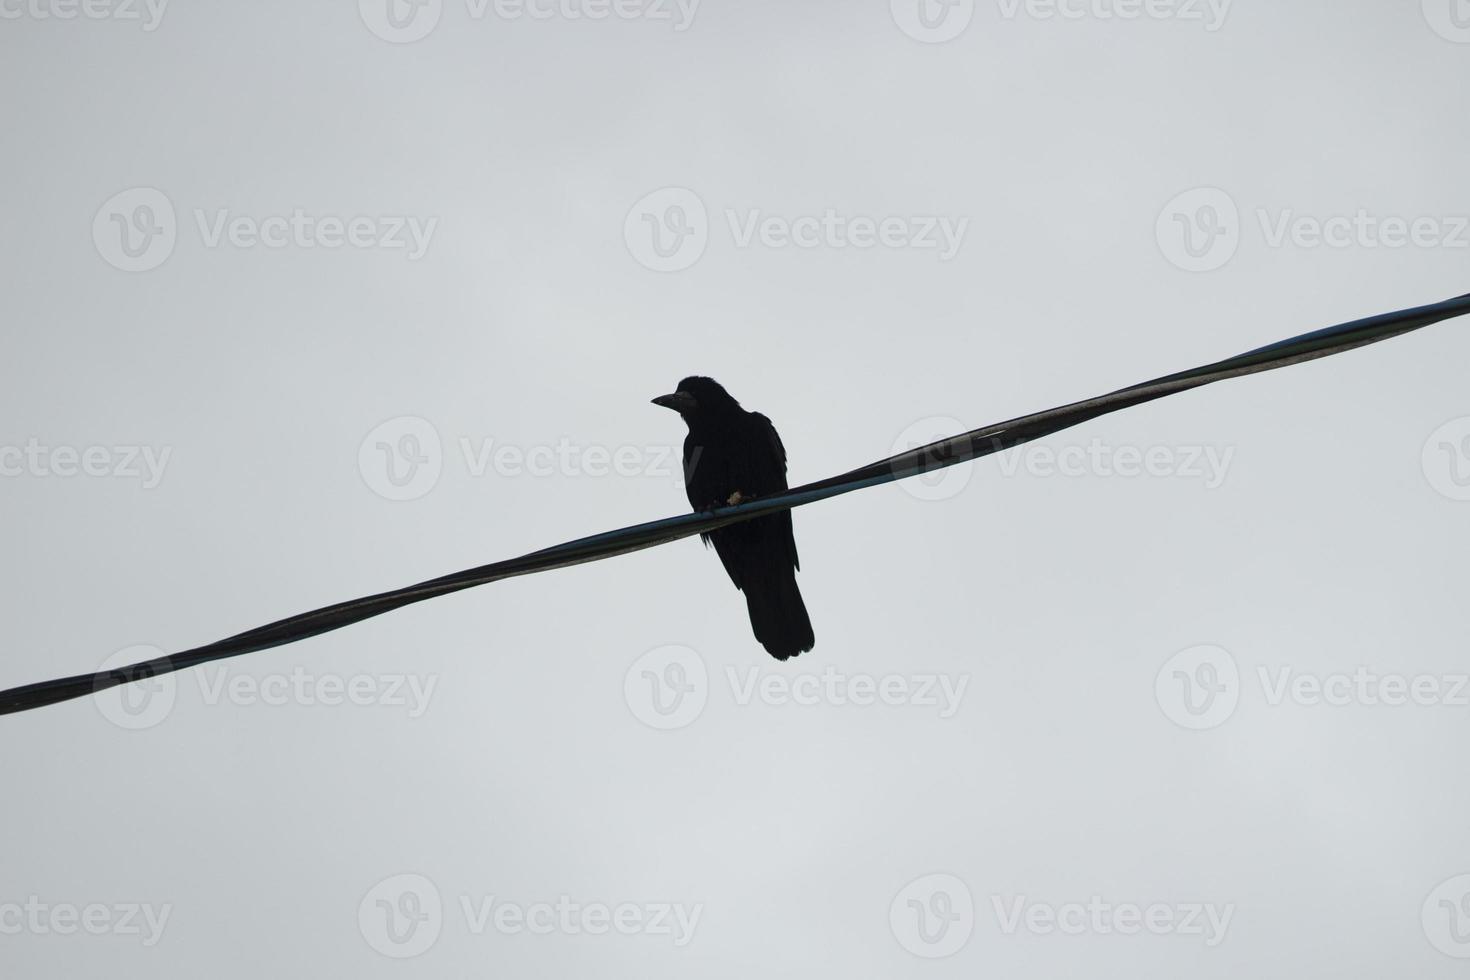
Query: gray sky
[{"x": 306, "y": 302}]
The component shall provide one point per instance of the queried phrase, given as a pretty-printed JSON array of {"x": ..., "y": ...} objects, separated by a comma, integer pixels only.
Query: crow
[{"x": 730, "y": 456}]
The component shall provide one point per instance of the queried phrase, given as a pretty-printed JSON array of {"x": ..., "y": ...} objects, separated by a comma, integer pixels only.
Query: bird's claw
[{"x": 734, "y": 500}]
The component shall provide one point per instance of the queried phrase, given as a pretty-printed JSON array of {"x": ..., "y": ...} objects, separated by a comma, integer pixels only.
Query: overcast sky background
[{"x": 1130, "y": 774}]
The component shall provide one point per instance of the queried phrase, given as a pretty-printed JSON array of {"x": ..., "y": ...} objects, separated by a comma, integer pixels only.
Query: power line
[{"x": 937, "y": 455}]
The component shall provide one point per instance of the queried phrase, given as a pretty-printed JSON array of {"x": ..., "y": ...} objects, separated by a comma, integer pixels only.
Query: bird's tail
[{"x": 779, "y": 618}]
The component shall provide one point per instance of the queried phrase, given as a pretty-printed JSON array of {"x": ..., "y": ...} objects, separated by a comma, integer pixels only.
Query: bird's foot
[{"x": 734, "y": 500}]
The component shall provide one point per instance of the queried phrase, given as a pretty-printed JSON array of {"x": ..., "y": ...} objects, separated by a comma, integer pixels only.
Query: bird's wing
[
  {"x": 779, "y": 450},
  {"x": 769, "y": 477}
]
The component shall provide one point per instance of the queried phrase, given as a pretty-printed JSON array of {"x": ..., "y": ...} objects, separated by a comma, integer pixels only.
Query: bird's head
[{"x": 699, "y": 398}]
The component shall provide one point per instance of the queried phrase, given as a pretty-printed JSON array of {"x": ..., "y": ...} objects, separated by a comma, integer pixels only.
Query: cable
[{"x": 937, "y": 455}]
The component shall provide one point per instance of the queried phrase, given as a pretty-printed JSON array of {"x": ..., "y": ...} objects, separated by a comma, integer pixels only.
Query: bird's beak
[{"x": 679, "y": 401}]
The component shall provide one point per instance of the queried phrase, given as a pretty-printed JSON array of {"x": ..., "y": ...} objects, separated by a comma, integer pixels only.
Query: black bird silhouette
[{"x": 730, "y": 456}]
